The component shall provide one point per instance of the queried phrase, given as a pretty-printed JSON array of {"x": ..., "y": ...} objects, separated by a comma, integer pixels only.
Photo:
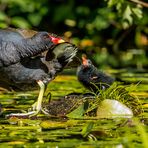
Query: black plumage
[
  {"x": 92, "y": 78},
  {"x": 25, "y": 74},
  {"x": 16, "y": 44}
]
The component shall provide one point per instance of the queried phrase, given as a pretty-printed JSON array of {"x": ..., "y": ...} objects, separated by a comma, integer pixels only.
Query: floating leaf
[
  {"x": 77, "y": 113},
  {"x": 112, "y": 109},
  {"x": 52, "y": 124},
  {"x": 143, "y": 134},
  {"x": 87, "y": 129}
]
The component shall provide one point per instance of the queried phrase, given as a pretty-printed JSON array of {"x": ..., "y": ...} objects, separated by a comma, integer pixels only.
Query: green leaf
[
  {"x": 137, "y": 11},
  {"x": 112, "y": 2},
  {"x": 87, "y": 129},
  {"x": 35, "y": 19},
  {"x": 113, "y": 109},
  {"x": 127, "y": 15},
  {"x": 77, "y": 113},
  {"x": 100, "y": 23},
  {"x": 125, "y": 24},
  {"x": 3, "y": 25},
  {"x": 60, "y": 14},
  {"x": 20, "y": 22},
  {"x": 117, "y": 3},
  {"x": 3, "y": 16}
]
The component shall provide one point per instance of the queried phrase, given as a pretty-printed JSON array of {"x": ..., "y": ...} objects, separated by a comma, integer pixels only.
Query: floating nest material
[
  {"x": 64, "y": 105},
  {"x": 91, "y": 102}
]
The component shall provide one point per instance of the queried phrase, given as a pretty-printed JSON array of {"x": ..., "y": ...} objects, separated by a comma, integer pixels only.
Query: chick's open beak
[
  {"x": 57, "y": 40},
  {"x": 84, "y": 60}
]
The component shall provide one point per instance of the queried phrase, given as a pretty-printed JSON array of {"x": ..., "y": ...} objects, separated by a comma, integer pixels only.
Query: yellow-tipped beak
[
  {"x": 61, "y": 41},
  {"x": 56, "y": 40}
]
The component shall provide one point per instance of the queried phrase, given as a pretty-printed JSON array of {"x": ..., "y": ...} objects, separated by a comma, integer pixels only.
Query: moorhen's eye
[{"x": 46, "y": 36}]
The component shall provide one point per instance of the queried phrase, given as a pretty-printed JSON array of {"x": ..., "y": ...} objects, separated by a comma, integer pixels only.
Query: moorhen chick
[
  {"x": 92, "y": 78},
  {"x": 26, "y": 74},
  {"x": 16, "y": 44}
]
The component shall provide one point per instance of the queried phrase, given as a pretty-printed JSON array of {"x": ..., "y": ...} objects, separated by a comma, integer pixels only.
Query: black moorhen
[
  {"x": 24, "y": 74},
  {"x": 92, "y": 78},
  {"x": 16, "y": 44}
]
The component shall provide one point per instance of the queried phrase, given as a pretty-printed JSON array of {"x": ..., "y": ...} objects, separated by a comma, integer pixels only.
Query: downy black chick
[{"x": 91, "y": 77}]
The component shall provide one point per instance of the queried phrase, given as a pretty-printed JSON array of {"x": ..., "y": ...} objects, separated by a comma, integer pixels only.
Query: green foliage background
[{"x": 113, "y": 32}]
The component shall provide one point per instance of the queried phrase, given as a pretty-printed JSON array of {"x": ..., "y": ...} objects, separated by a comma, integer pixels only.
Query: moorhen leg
[{"x": 37, "y": 106}]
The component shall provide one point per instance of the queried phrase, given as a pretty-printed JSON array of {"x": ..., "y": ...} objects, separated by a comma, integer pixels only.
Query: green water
[{"x": 44, "y": 131}]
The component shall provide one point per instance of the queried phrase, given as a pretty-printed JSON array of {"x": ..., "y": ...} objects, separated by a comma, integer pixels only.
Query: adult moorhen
[
  {"x": 16, "y": 44},
  {"x": 41, "y": 69},
  {"x": 92, "y": 78}
]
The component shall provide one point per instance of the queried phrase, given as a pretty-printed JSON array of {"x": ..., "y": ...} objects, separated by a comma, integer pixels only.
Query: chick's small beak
[
  {"x": 84, "y": 61},
  {"x": 56, "y": 40}
]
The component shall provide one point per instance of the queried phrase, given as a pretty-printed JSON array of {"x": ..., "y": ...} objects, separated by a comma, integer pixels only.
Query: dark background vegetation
[{"x": 112, "y": 33}]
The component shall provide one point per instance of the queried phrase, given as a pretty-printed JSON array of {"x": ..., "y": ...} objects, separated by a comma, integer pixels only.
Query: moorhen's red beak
[
  {"x": 56, "y": 40},
  {"x": 84, "y": 60}
]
